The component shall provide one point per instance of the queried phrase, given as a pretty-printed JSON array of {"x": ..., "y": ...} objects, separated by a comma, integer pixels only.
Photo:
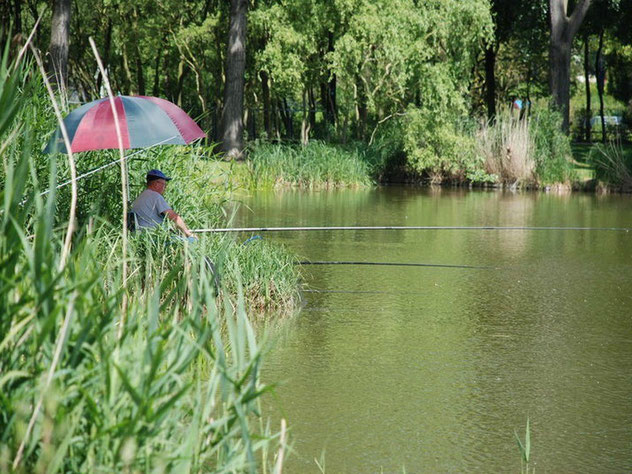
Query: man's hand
[{"x": 177, "y": 220}]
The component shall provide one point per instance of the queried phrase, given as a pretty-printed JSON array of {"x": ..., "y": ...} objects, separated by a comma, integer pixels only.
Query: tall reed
[
  {"x": 178, "y": 391},
  {"x": 508, "y": 149},
  {"x": 315, "y": 165},
  {"x": 613, "y": 165}
]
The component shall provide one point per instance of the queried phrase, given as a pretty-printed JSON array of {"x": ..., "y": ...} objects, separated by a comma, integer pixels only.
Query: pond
[{"x": 434, "y": 369}]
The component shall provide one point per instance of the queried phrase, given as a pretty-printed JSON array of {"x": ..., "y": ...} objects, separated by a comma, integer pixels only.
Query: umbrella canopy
[{"x": 144, "y": 122}]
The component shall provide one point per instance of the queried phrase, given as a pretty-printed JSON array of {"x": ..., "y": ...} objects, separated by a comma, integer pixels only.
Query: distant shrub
[
  {"x": 507, "y": 148},
  {"x": 613, "y": 164},
  {"x": 552, "y": 152},
  {"x": 439, "y": 148},
  {"x": 316, "y": 165}
]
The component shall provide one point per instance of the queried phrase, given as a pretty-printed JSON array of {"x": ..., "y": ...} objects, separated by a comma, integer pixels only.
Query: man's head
[{"x": 157, "y": 181}]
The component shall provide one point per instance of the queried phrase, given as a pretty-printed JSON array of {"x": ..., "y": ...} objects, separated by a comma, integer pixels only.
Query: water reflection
[{"x": 434, "y": 368}]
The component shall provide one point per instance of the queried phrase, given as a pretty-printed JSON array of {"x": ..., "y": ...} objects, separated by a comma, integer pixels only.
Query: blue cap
[{"x": 156, "y": 174}]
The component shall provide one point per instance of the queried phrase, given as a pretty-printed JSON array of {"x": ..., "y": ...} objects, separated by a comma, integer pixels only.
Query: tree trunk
[
  {"x": 182, "y": 72},
  {"x": 305, "y": 123},
  {"x": 328, "y": 90},
  {"x": 287, "y": 115},
  {"x": 527, "y": 105},
  {"x": 331, "y": 104},
  {"x": 600, "y": 70},
  {"x": 156, "y": 87},
  {"x": 219, "y": 85},
  {"x": 490, "y": 81},
  {"x": 59, "y": 42},
  {"x": 106, "y": 54},
  {"x": 232, "y": 114},
  {"x": 276, "y": 110},
  {"x": 563, "y": 30},
  {"x": 361, "y": 109},
  {"x": 312, "y": 107},
  {"x": 17, "y": 16},
  {"x": 265, "y": 92},
  {"x": 128, "y": 88},
  {"x": 140, "y": 75},
  {"x": 588, "y": 113},
  {"x": 560, "y": 61}
]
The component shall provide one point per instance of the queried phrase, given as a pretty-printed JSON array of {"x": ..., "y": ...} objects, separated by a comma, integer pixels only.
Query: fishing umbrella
[{"x": 144, "y": 122}]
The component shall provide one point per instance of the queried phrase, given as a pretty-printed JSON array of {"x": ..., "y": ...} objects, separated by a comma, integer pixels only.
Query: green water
[{"x": 433, "y": 369}]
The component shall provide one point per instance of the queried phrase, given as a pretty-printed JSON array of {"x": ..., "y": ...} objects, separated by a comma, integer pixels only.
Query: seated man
[{"x": 151, "y": 208}]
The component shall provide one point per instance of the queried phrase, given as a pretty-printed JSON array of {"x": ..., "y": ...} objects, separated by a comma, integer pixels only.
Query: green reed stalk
[{"x": 188, "y": 368}]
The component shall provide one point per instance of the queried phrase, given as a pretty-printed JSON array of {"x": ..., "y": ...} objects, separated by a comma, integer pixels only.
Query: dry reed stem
[
  {"x": 106, "y": 82},
  {"x": 71, "y": 163},
  {"x": 279, "y": 464},
  {"x": 28, "y": 41}
]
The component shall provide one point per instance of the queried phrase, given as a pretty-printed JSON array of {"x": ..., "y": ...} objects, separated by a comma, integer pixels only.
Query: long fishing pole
[{"x": 426, "y": 227}]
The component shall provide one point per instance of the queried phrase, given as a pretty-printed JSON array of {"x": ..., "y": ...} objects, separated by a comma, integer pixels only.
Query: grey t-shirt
[{"x": 149, "y": 208}]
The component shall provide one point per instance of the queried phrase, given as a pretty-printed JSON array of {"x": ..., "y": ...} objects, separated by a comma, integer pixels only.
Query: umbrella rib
[{"x": 117, "y": 161}]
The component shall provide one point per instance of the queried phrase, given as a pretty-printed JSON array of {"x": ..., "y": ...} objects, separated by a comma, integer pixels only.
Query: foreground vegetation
[{"x": 115, "y": 361}]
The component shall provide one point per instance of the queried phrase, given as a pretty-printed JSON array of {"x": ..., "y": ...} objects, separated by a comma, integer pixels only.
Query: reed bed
[
  {"x": 508, "y": 150},
  {"x": 156, "y": 372},
  {"x": 526, "y": 152},
  {"x": 613, "y": 164},
  {"x": 313, "y": 166}
]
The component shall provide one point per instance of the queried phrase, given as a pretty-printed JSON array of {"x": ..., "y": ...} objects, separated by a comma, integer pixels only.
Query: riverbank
[
  {"x": 593, "y": 168},
  {"x": 121, "y": 352}
]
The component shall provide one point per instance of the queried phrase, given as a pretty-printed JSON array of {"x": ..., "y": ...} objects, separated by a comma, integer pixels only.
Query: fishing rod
[{"x": 426, "y": 227}]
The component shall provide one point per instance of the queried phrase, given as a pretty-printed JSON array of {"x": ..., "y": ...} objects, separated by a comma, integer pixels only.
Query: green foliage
[
  {"x": 620, "y": 85},
  {"x": 316, "y": 165},
  {"x": 552, "y": 149},
  {"x": 397, "y": 53},
  {"x": 100, "y": 374},
  {"x": 525, "y": 448},
  {"x": 438, "y": 148},
  {"x": 613, "y": 164}
]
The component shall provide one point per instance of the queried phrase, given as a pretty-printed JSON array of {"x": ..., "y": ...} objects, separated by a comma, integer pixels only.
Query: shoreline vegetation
[
  {"x": 506, "y": 157},
  {"x": 156, "y": 369}
]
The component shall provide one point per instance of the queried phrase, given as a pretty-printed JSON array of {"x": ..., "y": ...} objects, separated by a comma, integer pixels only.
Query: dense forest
[{"x": 415, "y": 76}]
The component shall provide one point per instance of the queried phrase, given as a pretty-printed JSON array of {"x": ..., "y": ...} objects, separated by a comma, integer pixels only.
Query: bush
[
  {"x": 508, "y": 148},
  {"x": 552, "y": 148},
  {"x": 613, "y": 164},
  {"x": 439, "y": 148}
]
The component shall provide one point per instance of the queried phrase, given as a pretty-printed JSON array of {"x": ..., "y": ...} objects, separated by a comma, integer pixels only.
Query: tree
[
  {"x": 603, "y": 17},
  {"x": 59, "y": 42},
  {"x": 563, "y": 30},
  {"x": 232, "y": 113},
  {"x": 504, "y": 13}
]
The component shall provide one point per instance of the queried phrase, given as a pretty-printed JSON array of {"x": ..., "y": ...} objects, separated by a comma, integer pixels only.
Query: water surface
[{"x": 433, "y": 369}]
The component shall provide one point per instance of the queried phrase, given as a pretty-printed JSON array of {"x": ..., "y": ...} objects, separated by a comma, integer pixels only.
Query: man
[{"x": 151, "y": 208}]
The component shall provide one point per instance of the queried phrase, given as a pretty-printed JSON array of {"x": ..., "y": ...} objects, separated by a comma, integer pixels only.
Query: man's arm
[{"x": 177, "y": 220}]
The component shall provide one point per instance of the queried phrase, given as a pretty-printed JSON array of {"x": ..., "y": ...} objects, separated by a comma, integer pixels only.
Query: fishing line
[
  {"x": 365, "y": 292},
  {"x": 316, "y": 228},
  {"x": 393, "y": 264}
]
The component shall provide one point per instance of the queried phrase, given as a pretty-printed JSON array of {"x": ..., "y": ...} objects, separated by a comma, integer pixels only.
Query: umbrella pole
[{"x": 129, "y": 199}]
